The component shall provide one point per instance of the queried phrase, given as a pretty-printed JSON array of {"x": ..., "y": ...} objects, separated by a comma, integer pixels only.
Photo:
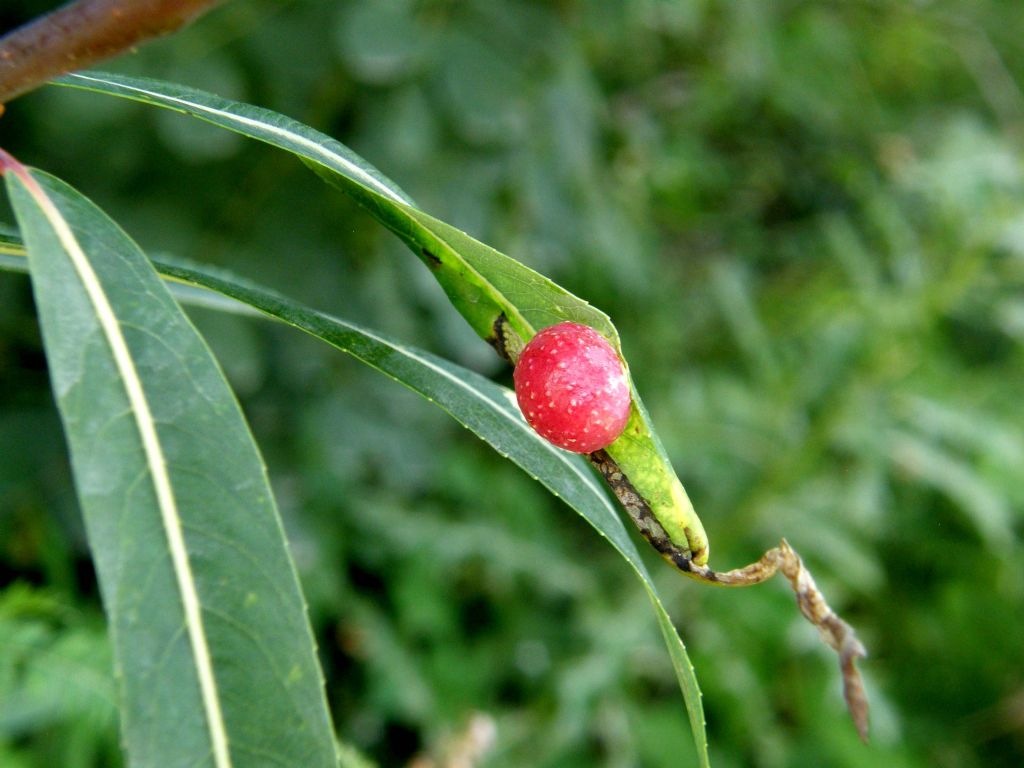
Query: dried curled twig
[
  {"x": 834, "y": 631},
  {"x": 837, "y": 633}
]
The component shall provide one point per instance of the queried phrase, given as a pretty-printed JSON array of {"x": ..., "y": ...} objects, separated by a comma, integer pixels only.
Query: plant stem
[{"x": 82, "y": 33}]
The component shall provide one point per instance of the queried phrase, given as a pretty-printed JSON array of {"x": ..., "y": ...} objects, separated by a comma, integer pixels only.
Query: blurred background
[{"x": 806, "y": 219}]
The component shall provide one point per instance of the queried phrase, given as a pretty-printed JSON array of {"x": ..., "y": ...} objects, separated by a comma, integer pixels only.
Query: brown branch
[{"x": 83, "y": 33}]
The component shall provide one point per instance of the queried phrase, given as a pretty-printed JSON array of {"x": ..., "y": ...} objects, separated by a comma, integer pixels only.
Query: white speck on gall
[{"x": 584, "y": 383}]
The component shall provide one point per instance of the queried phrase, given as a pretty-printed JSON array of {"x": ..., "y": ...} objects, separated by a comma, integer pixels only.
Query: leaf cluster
[{"x": 804, "y": 219}]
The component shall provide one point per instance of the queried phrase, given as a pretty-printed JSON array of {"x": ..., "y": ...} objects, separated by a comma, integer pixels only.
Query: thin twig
[
  {"x": 837, "y": 633},
  {"x": 83, "y": 33}
]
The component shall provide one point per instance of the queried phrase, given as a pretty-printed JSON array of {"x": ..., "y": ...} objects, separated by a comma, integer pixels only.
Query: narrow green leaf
[
  {"x": 482, "y": 406},
  {"x": 213, "y": 650}
]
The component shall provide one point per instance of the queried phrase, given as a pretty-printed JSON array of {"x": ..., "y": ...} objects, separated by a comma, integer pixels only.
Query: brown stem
[{"x": 82, "y": 33}]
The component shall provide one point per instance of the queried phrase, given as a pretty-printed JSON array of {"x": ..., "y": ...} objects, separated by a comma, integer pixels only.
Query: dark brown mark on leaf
[
  {"x": 506, "y": 342},
  {"x": 639, "y": 510}
]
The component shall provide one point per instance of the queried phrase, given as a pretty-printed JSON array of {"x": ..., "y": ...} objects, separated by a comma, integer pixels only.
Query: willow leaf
[{"x": 214, "y": 654}]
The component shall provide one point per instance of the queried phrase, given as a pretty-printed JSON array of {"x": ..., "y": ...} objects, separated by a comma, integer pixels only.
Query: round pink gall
[{"x": 572, "y": 387}]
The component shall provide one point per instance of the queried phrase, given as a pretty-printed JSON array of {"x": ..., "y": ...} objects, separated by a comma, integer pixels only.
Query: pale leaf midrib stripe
[{"x": 158, "y": 468}]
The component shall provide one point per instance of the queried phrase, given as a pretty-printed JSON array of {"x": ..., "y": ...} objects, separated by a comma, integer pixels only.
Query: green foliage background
[{"x": 807, "y": 221}]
